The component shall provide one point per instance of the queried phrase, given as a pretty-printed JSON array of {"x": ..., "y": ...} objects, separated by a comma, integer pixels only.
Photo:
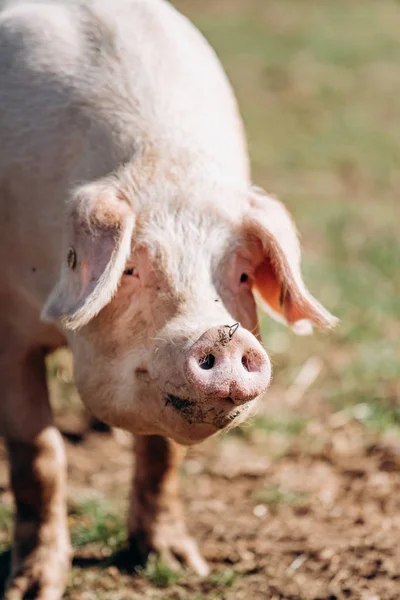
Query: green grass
[
  {"x": 5, "y": 527},
  {"x": 159, "y": 573},
  {"x": 222, "y": 579},
  {"x": 91, "y": 523},
  {"x": 96, "y": 523},
  {"x": 285, "y": 424},
  {"x": 376, "y": 416}
]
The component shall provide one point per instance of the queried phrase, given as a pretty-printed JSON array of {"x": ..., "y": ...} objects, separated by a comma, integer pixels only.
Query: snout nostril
[
  {"x": 246, "y": 363},
  {"x": 207, "y": 362}
]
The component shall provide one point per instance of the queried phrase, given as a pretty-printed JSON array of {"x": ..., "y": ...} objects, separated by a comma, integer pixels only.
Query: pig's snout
[{"x": 228, "y": 362}]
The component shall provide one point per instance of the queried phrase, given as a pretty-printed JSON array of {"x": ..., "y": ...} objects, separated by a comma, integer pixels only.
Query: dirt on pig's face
[{"x": 165, "y": 356}]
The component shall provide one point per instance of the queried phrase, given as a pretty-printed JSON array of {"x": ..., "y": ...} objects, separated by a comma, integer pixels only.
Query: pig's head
[{"x": 157, "y": 299}]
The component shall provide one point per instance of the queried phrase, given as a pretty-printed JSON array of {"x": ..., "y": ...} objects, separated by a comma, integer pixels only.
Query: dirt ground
[{"x": 311, "y": 516}]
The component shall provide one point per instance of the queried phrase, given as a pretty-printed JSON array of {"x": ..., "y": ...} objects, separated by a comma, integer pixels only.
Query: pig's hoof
[
  {"x": 41, "y": 576},
  {"x": 173, "y": 546}
]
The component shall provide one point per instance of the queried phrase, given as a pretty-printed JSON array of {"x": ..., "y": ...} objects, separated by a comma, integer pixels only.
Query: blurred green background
[{"x": 318, "y": 83}]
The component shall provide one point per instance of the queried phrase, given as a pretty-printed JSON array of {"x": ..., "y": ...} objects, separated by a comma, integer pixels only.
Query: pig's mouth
[{"x": 193, "y": 413}]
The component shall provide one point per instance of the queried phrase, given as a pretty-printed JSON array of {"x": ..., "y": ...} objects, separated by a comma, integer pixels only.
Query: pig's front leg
[{"x": 156, "y": 521}]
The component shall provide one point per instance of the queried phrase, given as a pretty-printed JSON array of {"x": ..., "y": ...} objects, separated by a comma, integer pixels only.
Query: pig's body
[{"x": 128, "y": 230}]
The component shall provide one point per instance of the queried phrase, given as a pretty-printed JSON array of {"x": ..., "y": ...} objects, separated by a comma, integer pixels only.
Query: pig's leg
[
  {"x": 156, "y": 521},
  {"x": 41, "y": 551}
]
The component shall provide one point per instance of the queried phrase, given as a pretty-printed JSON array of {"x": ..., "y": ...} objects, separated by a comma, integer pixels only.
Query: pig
[{"x": 131, "y": 232}]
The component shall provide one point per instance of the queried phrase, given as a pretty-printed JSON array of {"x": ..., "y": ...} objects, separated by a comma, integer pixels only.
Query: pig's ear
[
  {"x": 278, "y": 283},
  {"x": 98, "y": 242}
]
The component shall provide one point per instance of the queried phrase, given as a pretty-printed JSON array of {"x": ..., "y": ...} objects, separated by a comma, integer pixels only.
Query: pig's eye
[
  {"x": 130, "y": 271},
  {"x": 244, "y": 277}
]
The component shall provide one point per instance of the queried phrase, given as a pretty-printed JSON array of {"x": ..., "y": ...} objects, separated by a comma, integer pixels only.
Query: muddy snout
[{"x": 228, "y": 362}]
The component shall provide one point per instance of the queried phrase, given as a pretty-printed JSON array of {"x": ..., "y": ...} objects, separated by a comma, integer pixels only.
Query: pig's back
[{"x": 95, "y": 79}]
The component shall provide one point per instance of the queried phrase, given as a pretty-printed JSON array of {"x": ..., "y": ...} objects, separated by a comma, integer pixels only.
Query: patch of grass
[
  {"x": 377, "y": 416},
  {"x": 286, "y": 425},
  {"x": 95, "y": 523},
  {"x": 274, "y": 496},
  {"x": 223, "y": 579},
  {"x": 6, "y": 522},
  {"x": 6, "y": 514},
  {"x": 158, "y": 572}
]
